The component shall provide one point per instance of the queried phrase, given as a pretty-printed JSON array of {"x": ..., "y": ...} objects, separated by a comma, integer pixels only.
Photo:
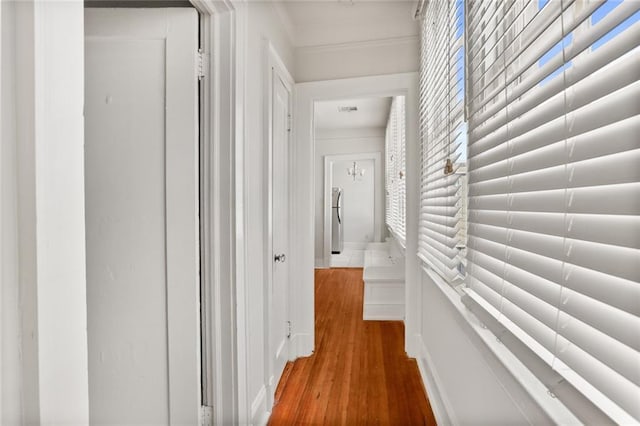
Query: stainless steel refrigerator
[{"x": 337, "y": 233}]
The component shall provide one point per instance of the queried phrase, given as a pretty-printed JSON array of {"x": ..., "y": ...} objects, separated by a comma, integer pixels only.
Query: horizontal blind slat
[{"x": 554, "y": 187}]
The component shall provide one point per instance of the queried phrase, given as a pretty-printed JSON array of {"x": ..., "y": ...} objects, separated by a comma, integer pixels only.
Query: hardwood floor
[{"x": 359, "y": 373}]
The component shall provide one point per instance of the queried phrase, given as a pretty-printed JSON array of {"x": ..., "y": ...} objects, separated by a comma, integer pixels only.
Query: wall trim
[
  {"x": 301, "y": 343},
  {"x": 433, "y": 385},
  {"x": 259, "y": 412},
  {"x": 383, "y": 312},
  {"x": 391, "y": 41},
  {"x": 518, "y": 381},
  {"x": 223, "y": 347},
  {"x": 47, "y": 103}
]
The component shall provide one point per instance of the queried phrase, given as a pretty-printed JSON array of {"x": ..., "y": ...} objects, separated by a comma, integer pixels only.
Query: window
[
  {"x": 441, "y": 243},
  {"x": 554, "y": 189},
  {"x": 395, "y": 169}
]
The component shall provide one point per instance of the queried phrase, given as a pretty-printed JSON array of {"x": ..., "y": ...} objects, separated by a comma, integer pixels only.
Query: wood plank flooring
[{"x": 359, "y": 373}]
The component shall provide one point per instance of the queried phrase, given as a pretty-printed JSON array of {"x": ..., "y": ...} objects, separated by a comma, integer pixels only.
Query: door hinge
[
  {"x": 203, "y": 61},
  {"x": 288, "y": 329},
  {"x": 289, "y": 122},
  {"x": 206, "y": 416}
]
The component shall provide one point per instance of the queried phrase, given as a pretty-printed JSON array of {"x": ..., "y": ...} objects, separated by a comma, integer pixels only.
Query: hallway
[{"x": 359, "y": 373}]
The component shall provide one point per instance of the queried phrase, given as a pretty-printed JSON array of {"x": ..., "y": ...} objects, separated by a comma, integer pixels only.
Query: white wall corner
[
  {"x": 50, "y": 136},
  {"x": 301, "y": 345},
  {"x": 259, "y": 410},
  {"x": 435, "y": 391},
  {"x": 321, "y": 264}
]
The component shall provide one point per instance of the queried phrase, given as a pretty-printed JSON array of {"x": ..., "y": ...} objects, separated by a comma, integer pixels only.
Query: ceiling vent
[{"x": 347, "y": 109}]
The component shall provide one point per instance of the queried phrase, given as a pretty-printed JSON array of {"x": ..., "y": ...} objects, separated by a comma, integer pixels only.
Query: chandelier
[{"x": 355, "y": 171}]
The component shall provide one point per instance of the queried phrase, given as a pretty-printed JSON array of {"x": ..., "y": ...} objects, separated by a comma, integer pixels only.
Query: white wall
[
  {"x": 335, "y": 142},
  {"x": 358, "y": 200},
  {"x": 358, "y": 59},
  {"x": 43, "y": 263},
  {"x": 10, "y": 341},
  {"x": 466, "y": 382},
  {"x": 262, "y": 23}
]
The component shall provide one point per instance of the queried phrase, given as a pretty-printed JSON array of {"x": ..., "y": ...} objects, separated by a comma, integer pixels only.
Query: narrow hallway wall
[
  {"x": 317, "y": 63},
  {"x": 262, "y": 25},
  {"x": 10, "y": 341},
  {"x": 43, "y": 282}
]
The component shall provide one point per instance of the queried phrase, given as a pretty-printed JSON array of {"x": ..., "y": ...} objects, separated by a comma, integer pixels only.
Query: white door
[
  {"x": 141, "y": 168},
  {"x": 280, "y": 220}
]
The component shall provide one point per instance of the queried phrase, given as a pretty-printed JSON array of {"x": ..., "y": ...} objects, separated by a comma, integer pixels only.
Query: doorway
[
  {"x": 280, "y": 325},
  {"x": 359, "y": 216},
  {"x": 142, "y": 215},
  {"x": 306, "y": 248},
  {"x": 279, "y": 128},
  {"x": 350, "y": 146}
]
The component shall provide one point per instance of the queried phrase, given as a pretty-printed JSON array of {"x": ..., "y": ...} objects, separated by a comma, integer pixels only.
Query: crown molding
[{"x": 390, "y": 41}]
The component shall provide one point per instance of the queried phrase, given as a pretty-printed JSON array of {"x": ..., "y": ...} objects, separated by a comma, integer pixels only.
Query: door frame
[
  {"x": 224, "y": 28},
  {"x": 274, "y": 66},
  {"x": 303, "y": 197},
  {"x": 223, "y": 259},
  {"x": 378, "y": 215}
]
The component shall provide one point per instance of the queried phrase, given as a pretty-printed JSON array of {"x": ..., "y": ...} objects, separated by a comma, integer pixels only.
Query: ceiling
[
  {"x": 326, "y": 22},
  {"x": 372, "y": 112}
]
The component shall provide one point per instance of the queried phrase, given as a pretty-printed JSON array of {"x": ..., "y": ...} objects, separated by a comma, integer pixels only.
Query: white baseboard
[
  {"x": 383, "y": 312},
  {"x": 320, "y": 264},
  {"x": 264, "y": 420},
  {"x": 437, "y": 399},
  {"x": 301, "y": 345},
  {"x": 259, "y": 410}
]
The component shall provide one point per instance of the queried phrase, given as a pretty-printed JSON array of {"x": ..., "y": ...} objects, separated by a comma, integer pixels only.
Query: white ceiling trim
[{"x": 391, "y": 41}]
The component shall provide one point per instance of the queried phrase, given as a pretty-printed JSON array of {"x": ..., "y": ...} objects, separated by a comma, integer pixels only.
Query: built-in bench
[{"x": 383, "y": 277}]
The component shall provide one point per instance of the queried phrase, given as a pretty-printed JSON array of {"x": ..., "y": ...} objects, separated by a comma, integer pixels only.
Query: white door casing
[{"x": 141, "y": 162}]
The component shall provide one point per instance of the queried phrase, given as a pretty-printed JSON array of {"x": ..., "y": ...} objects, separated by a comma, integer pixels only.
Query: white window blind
[
  {"x": 554, "y": 187},
  {"x": 442, "y": 137},
  {"x": 401, "y": 172},
  {"x": 388, "y": 181},
  {"x": 391, "y": 166},
  {"x": 395, "y": 168}
]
